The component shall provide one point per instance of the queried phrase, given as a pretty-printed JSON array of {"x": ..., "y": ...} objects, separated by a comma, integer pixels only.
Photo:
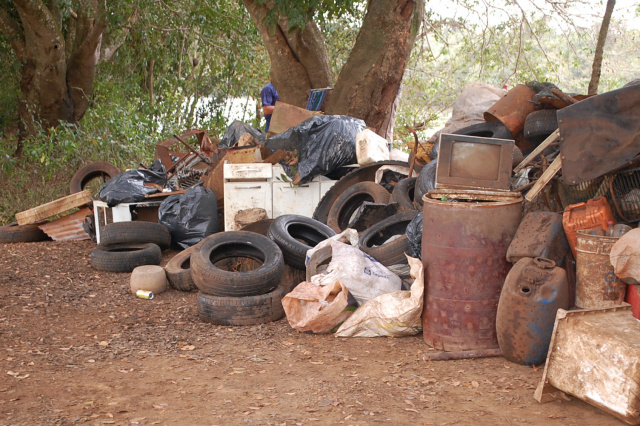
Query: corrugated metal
[{"x": 68, "y": 227}]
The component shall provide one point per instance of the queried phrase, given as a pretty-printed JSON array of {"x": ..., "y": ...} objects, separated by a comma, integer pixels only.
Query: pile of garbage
[{"x": 510, "y": 233}]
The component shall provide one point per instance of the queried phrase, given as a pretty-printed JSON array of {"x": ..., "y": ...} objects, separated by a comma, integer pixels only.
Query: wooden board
[
  {"x": 286, "y": 116},
  {"x": 53, "y": 208},
  {"x": 548, "y": 174},
  {"x": 548, "y": 141}
]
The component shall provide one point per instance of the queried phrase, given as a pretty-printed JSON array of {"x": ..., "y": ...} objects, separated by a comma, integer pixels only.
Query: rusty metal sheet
[
  {"x": 513, "y": 108},
  {"x": 594, "y": 356},
  {"x": 68, "y": 228},
  {"x": 464, "y": 246},
  {"x": 599, "y": 134}
]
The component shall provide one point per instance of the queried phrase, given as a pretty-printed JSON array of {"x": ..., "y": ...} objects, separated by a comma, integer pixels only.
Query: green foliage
[{"x": 299, "y": 12}]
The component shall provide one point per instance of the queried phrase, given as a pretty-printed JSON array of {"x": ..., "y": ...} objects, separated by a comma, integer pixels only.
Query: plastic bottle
[{"x": 610, "y": 225}]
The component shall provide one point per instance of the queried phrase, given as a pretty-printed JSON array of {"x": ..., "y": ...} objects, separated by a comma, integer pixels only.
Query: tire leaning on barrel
[{"x": 392, "y": 252}]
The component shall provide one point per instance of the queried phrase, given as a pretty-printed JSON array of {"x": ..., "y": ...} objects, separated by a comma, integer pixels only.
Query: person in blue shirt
[{"x": 269, "y": 96}]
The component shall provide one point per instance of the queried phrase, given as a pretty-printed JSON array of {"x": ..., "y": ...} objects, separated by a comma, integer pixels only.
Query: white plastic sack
[
  {"x": 317, "y": 309},
  {"x": 398, "y": 155},
  {"x": 371, "y": 148},
  {"x": 470, "y": 106},
  {"x": 364, "y": 276},
  {"x": 347, "y": 236},
  {"x": 393, "y": 314},
  {"x": 625, "y": 257}
]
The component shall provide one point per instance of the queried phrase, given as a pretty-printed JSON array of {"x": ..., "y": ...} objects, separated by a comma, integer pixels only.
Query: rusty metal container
[
  {"x": 595, "y": 213},
  {"x": 597, "y": 286},
  {"x": 513, "y": 108},
  {"x": 540, "y": 234},
  {"x": 533, "y": 292},
  {"x": 464, "y": 246}
]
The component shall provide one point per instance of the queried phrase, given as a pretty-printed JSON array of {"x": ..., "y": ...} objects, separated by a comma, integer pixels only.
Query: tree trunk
[
  {"x": 597, "y": 59},
  {"x": 299, "y": 60},
  {"x": 57, "y": 77},
  {"x": 370, "y": 80},
  {"x": 368, "y": 83}
]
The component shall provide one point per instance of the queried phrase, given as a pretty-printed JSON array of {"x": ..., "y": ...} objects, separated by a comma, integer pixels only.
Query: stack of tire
[
  {"x": 386, "y": 240},
  {"x": 127, "y": 245},
  {"x": 238, "y": 275}
]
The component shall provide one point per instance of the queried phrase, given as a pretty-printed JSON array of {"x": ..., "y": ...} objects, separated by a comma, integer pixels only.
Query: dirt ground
[{"x": 78, "y": 348}]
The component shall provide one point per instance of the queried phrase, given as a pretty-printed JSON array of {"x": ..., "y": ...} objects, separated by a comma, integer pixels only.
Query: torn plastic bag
[
  {"x": 393, "y": 314},
  {"x": 364, "y": 276},
  {"x": 237, "y": 129},
  {"x": 190, "y": 216},
  {"x": 324, "y": 144},
  {"x": 414, "y": 235},
  {"x": 371, "y": 148},
  {"x": 129, "y": 186},
  {"x": 347, "y": 236},
  {"x": 625, "y": 257},
  {"x": 319, "y": 310}
]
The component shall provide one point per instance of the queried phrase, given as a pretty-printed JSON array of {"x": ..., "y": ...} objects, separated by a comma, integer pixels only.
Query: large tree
[
  {"x": 59, "y": 49},
  {"x": 369, "y": 81}
]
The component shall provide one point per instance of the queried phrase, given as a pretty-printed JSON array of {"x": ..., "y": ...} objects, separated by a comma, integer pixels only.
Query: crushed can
[{"x": 533, "y": 292}]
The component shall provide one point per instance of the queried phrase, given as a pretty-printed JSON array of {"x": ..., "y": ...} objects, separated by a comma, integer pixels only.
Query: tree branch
[
  {"x": 12, "y": 31},
  {"x": 602, "y": 38}
]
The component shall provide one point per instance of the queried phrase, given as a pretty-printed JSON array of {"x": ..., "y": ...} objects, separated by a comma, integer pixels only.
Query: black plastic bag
[
  {"x": 414, "y": 235},
  {"x": 129, "y": 186},
  {"x": 237, "y": 129},
  {"x": 190, "y": 216},
  {"x": 324, "y": 144}
]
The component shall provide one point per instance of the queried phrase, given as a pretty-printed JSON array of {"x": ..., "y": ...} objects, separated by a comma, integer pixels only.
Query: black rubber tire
[
  {"x": 351, "y": 199},
  {"x": 359, "y": 174},
  {"x": 403, "y": 194},
  {"x": 489, "y": 129},
  {"x": 94, "y": 170},
  {"x": 391, "y": 253},
  {"x": 125, "y": 257},
  {"x": 136, "y": 232},
  {"x": 213, "y": 280},
  {"x": 296, "y": 234},
  {"x": 178, "y": 270},
  {"x": 15, "y": 233},
  {"x": 321, "y": 257},
  {"x": 248, "y": 310},
  {"x": 539, "y": 125},
  {"x": 425, "y": 182}
]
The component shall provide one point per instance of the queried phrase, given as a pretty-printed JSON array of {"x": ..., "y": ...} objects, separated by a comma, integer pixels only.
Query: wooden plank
[
  {"x": 286, "y": 116},
  {"x": 548, "y": 141},
  {"x": 165, "y": 194},
  {"x": 53, "y": 208},
  {"x": 544, "y": 179}
]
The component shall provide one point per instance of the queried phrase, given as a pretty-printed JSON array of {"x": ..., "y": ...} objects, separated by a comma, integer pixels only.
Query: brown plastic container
[
  {"x": 533, "y": 292},
  {"x": 597, "y": 286},
  {"x": 595, "y": 213}
]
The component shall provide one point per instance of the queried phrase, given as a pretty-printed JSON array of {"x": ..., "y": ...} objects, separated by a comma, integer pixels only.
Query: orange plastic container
[
  {"x": 633, "y": 298},
  {"x": 595, "y": 213}
]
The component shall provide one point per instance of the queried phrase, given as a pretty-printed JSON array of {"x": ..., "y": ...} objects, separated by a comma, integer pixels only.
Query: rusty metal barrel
[
  {"x": 597, "y": 286},
  {"x": 464, "y": 246}
]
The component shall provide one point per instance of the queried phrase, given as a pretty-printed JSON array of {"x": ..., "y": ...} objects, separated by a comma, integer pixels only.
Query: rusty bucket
[
  {"x": 464, "y": 247},
  {"x": 513, "y": 108},
  {"x": 597, "y": 286}
]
